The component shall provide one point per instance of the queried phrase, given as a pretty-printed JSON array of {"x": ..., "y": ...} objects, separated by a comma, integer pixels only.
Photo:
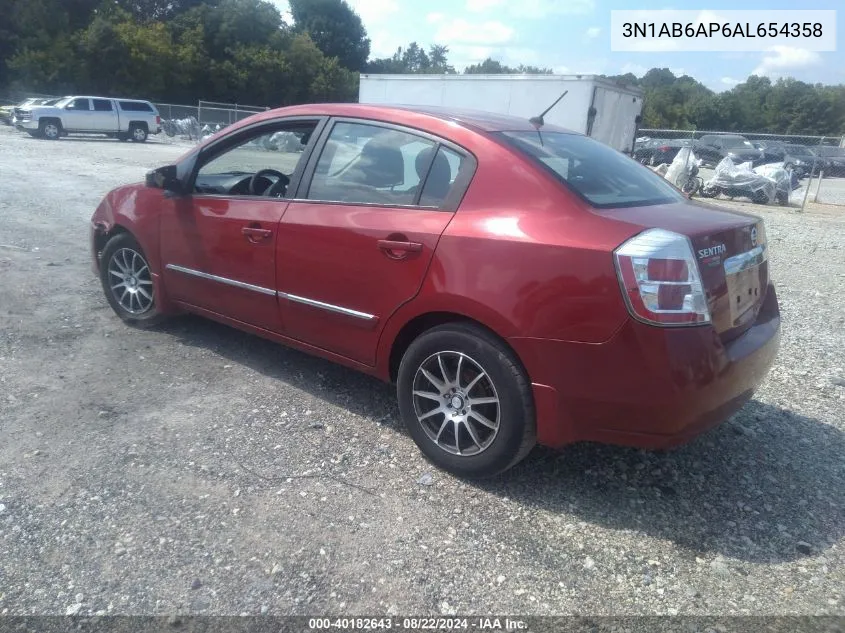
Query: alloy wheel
[
  {"x": 130, "y": 281},
  {"x": 456, "y": 403},
  {"x": 51, "y": 130},
  {"x": 139, "y": 134}
]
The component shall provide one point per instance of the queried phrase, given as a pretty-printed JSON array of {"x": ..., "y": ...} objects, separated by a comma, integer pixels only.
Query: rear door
[
  {"x": 105, "y": 116},
  {"x": 357, "y": 241}
]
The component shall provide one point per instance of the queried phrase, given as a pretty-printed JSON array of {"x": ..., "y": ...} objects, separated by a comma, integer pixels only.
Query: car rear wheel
[
  {"x": 138, "y": 133},
  {"x": 466, "y": 401},
  {"x": 127, "y": 281}
]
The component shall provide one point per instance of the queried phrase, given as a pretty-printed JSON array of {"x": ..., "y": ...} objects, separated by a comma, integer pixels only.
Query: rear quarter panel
[{"x": 524, "y": 257}]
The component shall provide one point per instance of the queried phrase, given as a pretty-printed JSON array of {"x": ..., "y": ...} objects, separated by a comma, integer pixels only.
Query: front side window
[
  {"x": 79, "y": 104},
  {"x": 602, "y": 176},
  {"x": 369, "y": 164},
  {"x": 261, "y": 164}
]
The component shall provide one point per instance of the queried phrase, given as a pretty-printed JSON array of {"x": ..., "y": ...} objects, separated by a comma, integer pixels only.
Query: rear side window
[
  {"x": 102, "y": 105},
  {"x": 135, "y": 106},
  {"x": 596, "y": 172},
  {"x": 368, "y": 164},
  {"x": 441, "y": 177}
]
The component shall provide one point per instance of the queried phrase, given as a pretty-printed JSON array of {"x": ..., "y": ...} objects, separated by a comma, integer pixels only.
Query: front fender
[{"x": 136, "y": 209}]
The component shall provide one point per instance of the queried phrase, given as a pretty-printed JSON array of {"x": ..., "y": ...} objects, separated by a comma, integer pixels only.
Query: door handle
[
  {"x": 398, "y": 245},
  {"x": 254, "y": 233}
]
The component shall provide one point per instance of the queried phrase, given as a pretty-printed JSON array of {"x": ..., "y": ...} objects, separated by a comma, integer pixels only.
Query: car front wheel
[
  {"x": 466, "y": 401},
  {"x": 50, "y": 130},
  {"x": 127, "y": 281}
]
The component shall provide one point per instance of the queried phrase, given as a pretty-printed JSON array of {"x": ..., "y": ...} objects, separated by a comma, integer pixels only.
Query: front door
[
  {"x": 357, "y": 242},
  {"x": 78, "y": 115},
  {"x": 218, "y": 245}
]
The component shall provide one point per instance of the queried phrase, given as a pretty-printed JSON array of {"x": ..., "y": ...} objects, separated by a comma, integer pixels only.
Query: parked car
[
  {"x": 124, "y": 119},
  {"x": 7, "y": 112},
  {"x": 661, "y": 150},
  {"x": 773, "y": 151},
  {"x": 712, "y": 148},
  {"x": 518, "y": 284},
  {"x": 834, "y": 159},
  {"x": 803, "y": 160}
]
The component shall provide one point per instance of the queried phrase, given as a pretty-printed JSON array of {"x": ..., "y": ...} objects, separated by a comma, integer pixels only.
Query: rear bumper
[{"x": 647, "y": 387}]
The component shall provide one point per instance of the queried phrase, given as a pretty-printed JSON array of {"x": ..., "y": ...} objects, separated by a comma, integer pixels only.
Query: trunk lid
[{"x": 730, "y": 249}]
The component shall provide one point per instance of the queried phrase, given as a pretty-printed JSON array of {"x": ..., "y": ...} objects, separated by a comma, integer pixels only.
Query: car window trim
[
  {"x": 456, "y": 194},
  {"x": 227, "y": 142}
]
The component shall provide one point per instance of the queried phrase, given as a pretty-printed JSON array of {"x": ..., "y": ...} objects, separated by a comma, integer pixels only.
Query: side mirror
[{"x": 165, "y": 178}]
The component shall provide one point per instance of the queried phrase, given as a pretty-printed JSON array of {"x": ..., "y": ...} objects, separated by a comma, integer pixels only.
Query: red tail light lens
[
  {"x": 664, "y": 148},
  {"x": 158, "y": 120},
  {"x": 660, "y": 279}
]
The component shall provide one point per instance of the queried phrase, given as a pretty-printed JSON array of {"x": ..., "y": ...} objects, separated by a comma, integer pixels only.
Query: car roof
[
  {"x": 107, "y": 98},
  {"x": 478, "y": 119}
]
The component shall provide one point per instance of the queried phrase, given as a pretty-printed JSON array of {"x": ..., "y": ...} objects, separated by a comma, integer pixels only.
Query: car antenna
[{"x": 539, "y": 121}]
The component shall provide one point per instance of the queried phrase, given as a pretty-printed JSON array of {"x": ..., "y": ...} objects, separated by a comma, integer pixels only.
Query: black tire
[
  {"x": 759, "y": 197},
  {"x": 138, "y": 133},
  {"x": 117, "y": 257},
  {"x": 504, "y": 380},
  {"x": 51, "y": 129}
]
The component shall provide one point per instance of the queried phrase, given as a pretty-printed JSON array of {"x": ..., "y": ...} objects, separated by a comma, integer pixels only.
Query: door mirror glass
[{"x": 165, "y": 178}]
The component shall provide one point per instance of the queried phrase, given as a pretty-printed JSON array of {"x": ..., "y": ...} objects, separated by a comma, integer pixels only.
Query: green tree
[
  {"x": 335, "y": 28},
  {"x": 153, "y": 10},
  {"x": 491, "y": 66}
]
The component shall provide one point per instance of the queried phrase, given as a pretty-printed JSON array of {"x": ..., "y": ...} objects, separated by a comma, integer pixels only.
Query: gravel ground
[{"x": 196, "y": 469}]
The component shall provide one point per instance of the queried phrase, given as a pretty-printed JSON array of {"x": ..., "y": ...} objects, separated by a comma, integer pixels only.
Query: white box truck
[{"x": 600, "y": 108}]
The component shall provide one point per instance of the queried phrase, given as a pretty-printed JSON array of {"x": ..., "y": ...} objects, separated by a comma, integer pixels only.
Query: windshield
[
  {"x": 736, "y": 141},
  {"x": 61, "y": 103},
  {"x": 797, "y": 150},
  {"x": 598, "y": 173},
  {"x": 831, "y": 151}
]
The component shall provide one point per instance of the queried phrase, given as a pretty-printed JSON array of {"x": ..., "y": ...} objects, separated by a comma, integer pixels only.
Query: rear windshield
[{"x": 598, "y": 173}]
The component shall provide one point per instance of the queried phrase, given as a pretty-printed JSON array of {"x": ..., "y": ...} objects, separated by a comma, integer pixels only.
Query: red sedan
[{"x": 519, "y": 283}]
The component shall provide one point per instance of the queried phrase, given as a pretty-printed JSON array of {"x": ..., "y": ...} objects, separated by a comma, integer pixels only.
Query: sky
[{"x": 572, "y": 37}]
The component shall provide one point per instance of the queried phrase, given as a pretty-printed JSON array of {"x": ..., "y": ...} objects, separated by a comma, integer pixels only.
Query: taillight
[
  {"x": 660, "y": 279},
  {"x": 664, "y": 148},
  {"x": 158, "y": 119}
]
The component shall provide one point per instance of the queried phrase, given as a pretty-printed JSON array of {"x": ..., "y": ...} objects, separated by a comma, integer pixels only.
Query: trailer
[{"x": 600, "y": 108}]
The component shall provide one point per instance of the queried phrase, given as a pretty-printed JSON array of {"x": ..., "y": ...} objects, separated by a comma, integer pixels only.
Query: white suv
[{"x": 125, "y": 119}]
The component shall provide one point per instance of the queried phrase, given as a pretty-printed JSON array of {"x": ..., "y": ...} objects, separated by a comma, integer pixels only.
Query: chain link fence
[
  {"x": 764, "y": 168},
  {"x": 192, "y": 123}
]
